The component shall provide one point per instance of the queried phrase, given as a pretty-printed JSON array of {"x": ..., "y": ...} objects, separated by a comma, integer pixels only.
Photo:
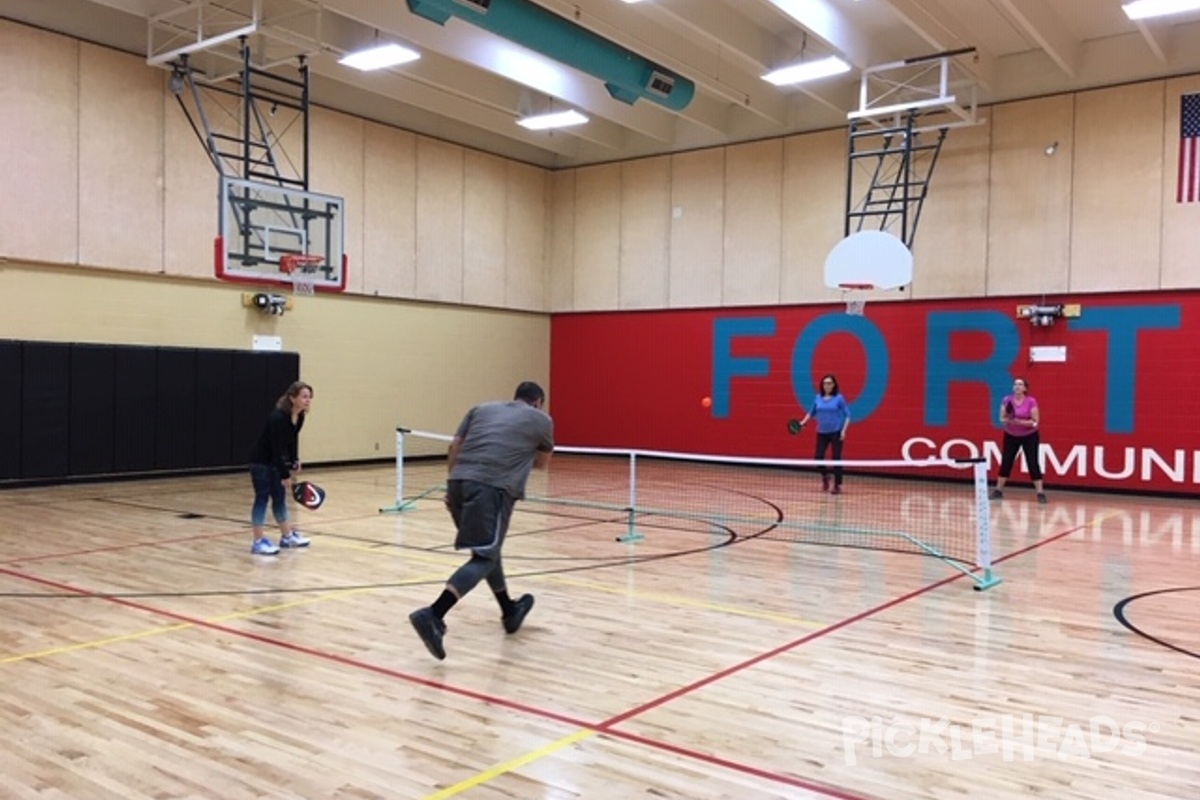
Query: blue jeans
[{"x": 267, "y": 485}]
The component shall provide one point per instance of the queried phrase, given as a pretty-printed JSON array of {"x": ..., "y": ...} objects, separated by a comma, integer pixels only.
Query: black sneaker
[
  {"x": 1042, "y": 498},
  {"x": 430, "y": 629},
  {"x": 996, "y": 494},
  {"x": 512, "y": 622}
]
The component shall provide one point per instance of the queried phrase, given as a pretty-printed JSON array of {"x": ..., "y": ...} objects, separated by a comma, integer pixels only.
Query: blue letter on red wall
[
  {"x": 1122, "y": 324},
  {"x": 940, "y": 371},
  {"x": 726, "y": 366},
  {"x": 874, "y": 348}
]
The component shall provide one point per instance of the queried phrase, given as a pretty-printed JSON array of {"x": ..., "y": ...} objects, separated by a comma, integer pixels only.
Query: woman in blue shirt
[{"x": 832, "y": 413}]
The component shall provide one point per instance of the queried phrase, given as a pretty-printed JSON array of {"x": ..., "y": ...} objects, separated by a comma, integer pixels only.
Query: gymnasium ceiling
[{"x": 458, "y": 90}]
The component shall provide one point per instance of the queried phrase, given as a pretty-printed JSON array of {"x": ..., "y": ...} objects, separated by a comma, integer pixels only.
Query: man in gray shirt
[{"x": 493, "y": 450}]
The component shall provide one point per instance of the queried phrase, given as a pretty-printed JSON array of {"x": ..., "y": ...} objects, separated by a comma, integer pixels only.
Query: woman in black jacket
[{"x": 273, "y": 459}]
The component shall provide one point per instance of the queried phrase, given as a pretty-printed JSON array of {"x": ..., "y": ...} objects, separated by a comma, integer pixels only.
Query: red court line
[
  {"x": 817, "y": 634},
  {"x": 114, "y": 547},
  {"x": 607, "y": 726},
  {"x": 602, "y": 728},
  {"x": 299, "y": 648}
]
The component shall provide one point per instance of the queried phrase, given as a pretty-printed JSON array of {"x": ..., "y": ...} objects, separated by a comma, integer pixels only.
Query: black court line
[
  {"x": 608, "y": 726},
  {"x": 1120, "y": 613},
  {"x": 598, "y": 563}
]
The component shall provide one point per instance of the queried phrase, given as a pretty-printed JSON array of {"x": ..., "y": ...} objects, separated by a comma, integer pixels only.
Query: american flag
[{"x": 1188, "y": 188}]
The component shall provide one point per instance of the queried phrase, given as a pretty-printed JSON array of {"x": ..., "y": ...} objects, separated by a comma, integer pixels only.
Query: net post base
[
  {"x": 986, "y": 581},
  {"x": 401, "y": 506},
  {"x": 631, "y": 533}
]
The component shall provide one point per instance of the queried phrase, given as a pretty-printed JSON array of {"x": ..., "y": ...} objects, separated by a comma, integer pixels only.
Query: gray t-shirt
[{"x": 499, "y": 441}]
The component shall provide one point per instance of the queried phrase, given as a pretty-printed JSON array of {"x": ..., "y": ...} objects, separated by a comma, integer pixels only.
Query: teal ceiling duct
[{"x": 626, "y": 75}]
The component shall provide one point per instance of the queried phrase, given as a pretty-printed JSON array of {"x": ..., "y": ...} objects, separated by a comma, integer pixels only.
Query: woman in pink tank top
[{"x": 1021, "y": 418}]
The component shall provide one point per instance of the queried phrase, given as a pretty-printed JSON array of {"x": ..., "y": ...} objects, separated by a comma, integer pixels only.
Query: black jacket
[{"x": 277, "y": 445}]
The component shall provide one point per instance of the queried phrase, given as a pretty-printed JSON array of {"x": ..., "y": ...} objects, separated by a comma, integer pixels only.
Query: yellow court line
[
  {"x": 669, "y": 599},
  {"x": 686, "y": 602},
  {"x": 423, "y": 556},
  {"x": 98, "y": 643},
  {"x": 509, "y": 766},
  {"x": 1097, "y": 520},
  {"x": 56, "y": 651}
]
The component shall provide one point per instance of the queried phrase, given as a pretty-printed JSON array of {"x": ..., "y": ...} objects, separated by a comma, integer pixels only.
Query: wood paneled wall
[
  {"x": 103, "y": 178},
  {"x": 102, "y": 169},
  {"x": 105, "y": 171},
  {"x": 751, "y": 224}
]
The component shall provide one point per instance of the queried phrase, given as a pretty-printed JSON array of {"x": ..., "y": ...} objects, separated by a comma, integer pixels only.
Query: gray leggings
[
  {"x": 481, "y": 514},
  {"x": 479, "y": 568}
]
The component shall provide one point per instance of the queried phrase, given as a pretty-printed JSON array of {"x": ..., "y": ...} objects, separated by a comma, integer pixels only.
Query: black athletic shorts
[{"x": 481, "y": 514}]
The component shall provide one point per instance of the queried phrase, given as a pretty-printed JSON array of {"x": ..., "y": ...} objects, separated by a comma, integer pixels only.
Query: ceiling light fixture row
[
  {"x": 1148, "y": 9},
  {"x": 379, "y": 57},
  {"x": 556, "y": 119},
  {"x": 807, "y": 71}
]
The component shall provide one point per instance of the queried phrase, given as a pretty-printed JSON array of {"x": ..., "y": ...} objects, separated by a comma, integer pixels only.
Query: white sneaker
[
  {"x": 293, "y": 539},
  {"x": 264, "y": 547}
]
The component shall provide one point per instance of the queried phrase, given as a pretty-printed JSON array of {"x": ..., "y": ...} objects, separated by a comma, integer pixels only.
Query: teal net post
[
  {"x": 631, "y": 532},
  {"x": 984, "y": 577}
]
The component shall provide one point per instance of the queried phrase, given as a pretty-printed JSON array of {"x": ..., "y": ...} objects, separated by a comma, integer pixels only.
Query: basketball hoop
[
  {"x": 856, "y": 304},
  {"x": 302, "y": 269}
]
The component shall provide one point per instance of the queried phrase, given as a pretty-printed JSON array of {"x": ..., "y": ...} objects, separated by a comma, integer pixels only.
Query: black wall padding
[
  {"x": 252, "y": 401},
  {"x": 175, "y": 409},
  {"x": 283, "y": 369},
  {"x": 10, "y": 410},
  {"x": 79, "y": 410},
  {"x": 136, "y": 376},
  {"x": 214, "y": 409},
  {"x": 90, "y": 423},
  {"x": 45, "y": 406}
]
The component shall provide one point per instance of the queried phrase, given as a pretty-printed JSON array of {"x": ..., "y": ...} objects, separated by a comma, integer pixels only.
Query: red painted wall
[{"x": 923, "y": 378}]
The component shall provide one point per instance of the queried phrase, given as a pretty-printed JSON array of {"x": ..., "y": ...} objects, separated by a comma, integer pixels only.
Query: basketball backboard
[
  {"x": 869, "y": 260},
  {"x": 261, "y": 223}
]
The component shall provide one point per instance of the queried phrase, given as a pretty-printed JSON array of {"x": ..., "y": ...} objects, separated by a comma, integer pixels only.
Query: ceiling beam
[
  {"x": 1044, "y": 26},
  {"x": 826, "y": 21},
  {"x": 662, "y": 36},
  {"x": 423, "y": 84},
  {"x": 938, "y": 27},
  {"x": 746, "y": 52},
  {"x": 468, "y": 44},
  {"x": 1156, "y": 47},
  {"x": 382, "y": 109},
  {"x": 139, "y": 8}
]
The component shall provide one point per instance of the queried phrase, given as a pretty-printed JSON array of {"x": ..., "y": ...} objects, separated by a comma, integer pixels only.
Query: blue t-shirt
[{"x": 831, "y": 413}]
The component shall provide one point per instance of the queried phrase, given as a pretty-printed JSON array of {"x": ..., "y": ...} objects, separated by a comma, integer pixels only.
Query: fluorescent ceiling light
[
  {"x": 559, "y": 119},
  {"x": 387, "y": 55},
  {"x": 632, "y": 1},
  {"x": 807, "y": 71},
  {"x": 1145, "y": 9}
]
